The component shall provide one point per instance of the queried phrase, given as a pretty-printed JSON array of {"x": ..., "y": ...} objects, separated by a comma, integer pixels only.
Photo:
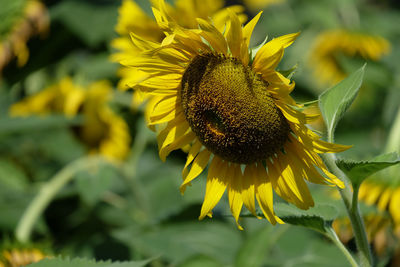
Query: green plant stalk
[
  {"x": 49, "y": 191},
  {"x": 331, "y": 234},
  {"x": 393, "y": 143},
  {"x": 350, "y": 200}
]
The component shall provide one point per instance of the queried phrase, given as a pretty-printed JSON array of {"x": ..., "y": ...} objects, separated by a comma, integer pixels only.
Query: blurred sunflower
[
  {"x": 233, "y": 110},
  {"x": 16, "y": 257},
  {"x": 330, "y": 45},
  {"x": 102, "y": 132},
  {"x": 254, "y": 5},
  {"x": 22, "y": 19},
  {"x": 133, "y": 19}
]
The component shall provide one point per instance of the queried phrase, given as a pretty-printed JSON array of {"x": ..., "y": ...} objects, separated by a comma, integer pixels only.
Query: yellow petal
[
  {"x": 294, "y": 182},
  {"x": 193, "y": 151},
  {"x": 272, "y": 51},
  {"x": 248, "y": 191},
  {"x": 234, "y": 35},
  {"x": 249, "y": 27},
  {"x": 216, "y": 185},
  {"x": 235, "y": 175},
  {"x": 198, "y": 165},
  {"x": 213, "y": 36},
  {"x": 264, "y": 195},
  {"x": 186, "y": 139}
]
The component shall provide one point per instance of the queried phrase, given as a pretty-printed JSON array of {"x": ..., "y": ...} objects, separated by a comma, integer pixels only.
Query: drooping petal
[
  {"x": 248, "y": 190},
  {"x": 216, "y": 185},
  {"x": 198, "y": 165},
  {"x": 264, "y": 194},
  {"x": 235, "y": 175}
]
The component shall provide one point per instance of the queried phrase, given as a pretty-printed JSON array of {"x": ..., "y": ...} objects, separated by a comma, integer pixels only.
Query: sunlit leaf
[
  {"x": 358, "y": 171},
  {"x": 317, "y": 218},
  {"x": 335, "y": 101}
]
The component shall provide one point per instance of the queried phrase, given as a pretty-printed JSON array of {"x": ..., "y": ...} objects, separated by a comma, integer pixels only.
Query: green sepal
[{"x": 290, "y": 72}]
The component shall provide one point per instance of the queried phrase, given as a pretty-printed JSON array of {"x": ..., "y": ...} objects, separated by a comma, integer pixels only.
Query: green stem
[
  {"x": 49, "y": 191},
  {"x": 350, "y": 200},
  {"x": 331, "y": 234},
  {"x": 393, "y": 143}
]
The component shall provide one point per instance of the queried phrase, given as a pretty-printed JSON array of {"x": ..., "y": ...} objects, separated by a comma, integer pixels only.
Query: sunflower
[
  {"x": 386, "y": 197},
  {"x": 234, "y": 112},
  {"x": 16, "y": 257},
  {"x": 259, "y": 4},
  {"x": 103, "y": 131},
  {"x": 330, "y": 45},
  {"x": 133, "y": 19},
  {"x": 23, "y": 19}
]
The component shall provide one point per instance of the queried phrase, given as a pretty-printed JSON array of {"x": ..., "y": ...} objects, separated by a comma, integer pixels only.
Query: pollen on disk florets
[{"x": 230, "y": 110}]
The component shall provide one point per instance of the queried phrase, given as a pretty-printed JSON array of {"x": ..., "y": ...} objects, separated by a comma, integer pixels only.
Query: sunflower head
[
  {"x": 103, "y": 131},
  {"x": 22, "y": 19},
  {"x": 13, "y": 254},
  {"x": 234, "y": 112},
  {"x": 230, "y": 110},
  {"x": 330, "y": 45}
]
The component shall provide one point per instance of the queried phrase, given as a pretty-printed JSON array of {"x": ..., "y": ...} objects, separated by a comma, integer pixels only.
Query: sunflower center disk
[{"x": 230, "y": 110}]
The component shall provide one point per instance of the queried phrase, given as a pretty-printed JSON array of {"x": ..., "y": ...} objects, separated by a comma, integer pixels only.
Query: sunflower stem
[
  {"x": 350, "y": 200},
  {"x": 331, "y": 234},
  {"x": 48, "y": 191}
]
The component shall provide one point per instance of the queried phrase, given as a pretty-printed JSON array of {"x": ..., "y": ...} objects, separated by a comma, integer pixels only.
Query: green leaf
[
  {"x": 93, "y": 183},
  {"x": 92, "y": 21},
  {"x": 200, "y": 261},
  {"x": 77, "y": 262},
  {"x": 21, "y": 124},
  {"x": 358, "y": 171},
  {"x": 317, "y": 218},
  {"x": 179, "y": 241},
  {"x": 12, "y": 177},
  {"x": 335, "y": 101},
  {"x": 253, "y": 251}
]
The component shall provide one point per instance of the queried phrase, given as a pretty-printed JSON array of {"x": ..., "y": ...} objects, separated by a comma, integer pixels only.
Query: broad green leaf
[
  {"x": 335, "y": 101},
  {"x": 77, "y": 262},
  {"x": 301, "y": 248},
  {"x": 179, "y": 241},
  {"x": 358, "y": 171},
  {"x": 20, "y": 124},
  {"x": 317, "y": 218},
  {"x": 92, "y": 21},
  {"x": 12, "y": 176},
  {"x": 93, "y": 183},
  {"x": 10, "y": 13},
  {"x": 253, "y": 251},
  {"x": 200, "y": 261}
]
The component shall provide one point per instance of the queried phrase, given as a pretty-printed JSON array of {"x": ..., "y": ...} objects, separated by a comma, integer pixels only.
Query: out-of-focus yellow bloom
[
  {"x": 20, "y": 257},
  {"x": 329, "y": 45},
  {"x": 33, "y": 20},
  {"x": 64, "y": 97},
  {"x": 385, "y": 197},
  {"x": 254, "y": 5},
  {"x": 102, "y": 132}
]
